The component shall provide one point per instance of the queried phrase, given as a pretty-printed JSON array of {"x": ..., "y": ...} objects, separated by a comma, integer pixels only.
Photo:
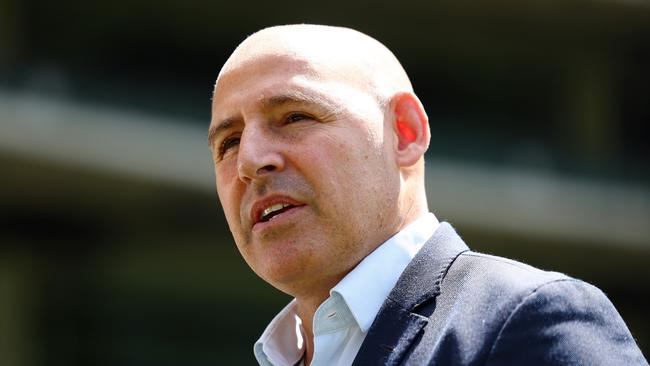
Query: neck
[{"x": 413, "y": 206}]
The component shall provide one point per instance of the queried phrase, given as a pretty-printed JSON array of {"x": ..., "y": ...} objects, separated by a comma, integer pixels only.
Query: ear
[{"x": 411, "y": 128}]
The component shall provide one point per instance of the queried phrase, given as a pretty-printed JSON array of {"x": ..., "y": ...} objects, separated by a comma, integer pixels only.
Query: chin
[{"x": 286, "y": 271}]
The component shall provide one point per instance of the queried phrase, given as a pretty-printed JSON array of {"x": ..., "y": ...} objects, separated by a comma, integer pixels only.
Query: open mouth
[{"x": 274, "y": 210}]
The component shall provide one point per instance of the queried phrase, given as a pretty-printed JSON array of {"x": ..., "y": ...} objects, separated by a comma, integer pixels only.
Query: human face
[{"x": 291, "y": 136}]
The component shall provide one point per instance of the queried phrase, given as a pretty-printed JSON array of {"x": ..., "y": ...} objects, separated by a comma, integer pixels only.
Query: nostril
[{"x": 266, "y": 169}]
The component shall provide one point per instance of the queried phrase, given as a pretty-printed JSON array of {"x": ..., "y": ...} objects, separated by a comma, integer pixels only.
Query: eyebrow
[
  {"x": 216, "y": 129},
  {"x": 292, "y": 97}
]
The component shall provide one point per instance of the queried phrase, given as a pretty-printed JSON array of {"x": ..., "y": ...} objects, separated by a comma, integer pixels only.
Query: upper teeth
[{"x": 273, "y": 208}]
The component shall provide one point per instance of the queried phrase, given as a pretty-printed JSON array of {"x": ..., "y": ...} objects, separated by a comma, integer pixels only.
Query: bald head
[{"x": 336, "y": 52}]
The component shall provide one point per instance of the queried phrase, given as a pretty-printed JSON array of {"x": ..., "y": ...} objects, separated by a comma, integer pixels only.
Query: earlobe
[{"x": 411, "y": 127}]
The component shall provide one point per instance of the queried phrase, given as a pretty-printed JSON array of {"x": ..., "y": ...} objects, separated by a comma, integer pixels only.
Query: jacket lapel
[{"x": 398, "y": 322}]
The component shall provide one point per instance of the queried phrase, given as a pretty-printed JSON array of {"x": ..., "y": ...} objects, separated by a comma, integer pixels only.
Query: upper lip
[{"x": 260, "y": 205}]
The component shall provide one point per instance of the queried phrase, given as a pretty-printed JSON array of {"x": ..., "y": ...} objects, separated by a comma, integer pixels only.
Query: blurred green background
[{"x": 114, "y": 250}]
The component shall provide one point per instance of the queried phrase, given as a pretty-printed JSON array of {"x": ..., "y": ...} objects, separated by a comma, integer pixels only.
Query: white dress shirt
[{"x": 342, "y": 321}]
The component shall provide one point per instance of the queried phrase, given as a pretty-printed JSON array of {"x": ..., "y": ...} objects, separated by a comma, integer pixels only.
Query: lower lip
[{"x": 278, "y": 220}]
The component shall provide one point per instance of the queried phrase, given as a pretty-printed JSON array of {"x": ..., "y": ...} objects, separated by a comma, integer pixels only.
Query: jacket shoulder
[
  {"x": 493, "y": 273},
  {"x": 565, "y": 322},
  {"x": 496, "y": 310}
]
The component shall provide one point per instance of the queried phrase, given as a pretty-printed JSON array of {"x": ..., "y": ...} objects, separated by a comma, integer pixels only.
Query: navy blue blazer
[{"x": 452, "y": 306}]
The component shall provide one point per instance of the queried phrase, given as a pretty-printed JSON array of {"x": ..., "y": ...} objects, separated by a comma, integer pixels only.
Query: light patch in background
[{"x": 175, "y": 151}]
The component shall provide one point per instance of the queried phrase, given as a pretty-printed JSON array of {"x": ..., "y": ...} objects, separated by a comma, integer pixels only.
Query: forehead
[
  {"x": 259, "y": 79},
  {"x": 259, "y": 74}
]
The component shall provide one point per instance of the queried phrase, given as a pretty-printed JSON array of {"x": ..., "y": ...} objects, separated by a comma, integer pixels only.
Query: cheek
[
  {"x": 343, "y": 170},
  {"x": 228, "y": 193},
  {"x": 363, "y": 177},
  {"x": 329, "y": 168}
]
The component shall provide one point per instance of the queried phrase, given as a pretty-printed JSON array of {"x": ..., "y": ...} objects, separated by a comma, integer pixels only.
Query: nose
[{"x": 258, "y": 156}]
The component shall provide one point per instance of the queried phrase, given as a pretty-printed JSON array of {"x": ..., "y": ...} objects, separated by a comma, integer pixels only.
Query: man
[{"x": 318, "y": 143}]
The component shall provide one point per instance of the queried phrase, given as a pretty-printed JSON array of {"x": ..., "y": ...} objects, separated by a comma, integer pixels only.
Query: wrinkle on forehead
[{"x": 326, "y": 52}]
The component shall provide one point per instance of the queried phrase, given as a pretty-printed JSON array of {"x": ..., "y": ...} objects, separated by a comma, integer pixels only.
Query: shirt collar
[
  {"x": 384, "y": 266},
  {"x": 282, "y": 340}
]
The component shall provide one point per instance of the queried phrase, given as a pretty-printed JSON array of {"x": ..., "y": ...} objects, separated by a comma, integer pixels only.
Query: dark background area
[{"x": 114, "y": 250}]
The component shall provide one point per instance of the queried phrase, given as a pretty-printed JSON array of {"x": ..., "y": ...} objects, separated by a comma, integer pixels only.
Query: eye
[
  {"x": 296, "y": 117},
  {"x": 228, "y": 144}
]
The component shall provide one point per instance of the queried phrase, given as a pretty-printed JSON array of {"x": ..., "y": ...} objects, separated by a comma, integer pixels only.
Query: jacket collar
[{"x": 398, "y": 323}]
